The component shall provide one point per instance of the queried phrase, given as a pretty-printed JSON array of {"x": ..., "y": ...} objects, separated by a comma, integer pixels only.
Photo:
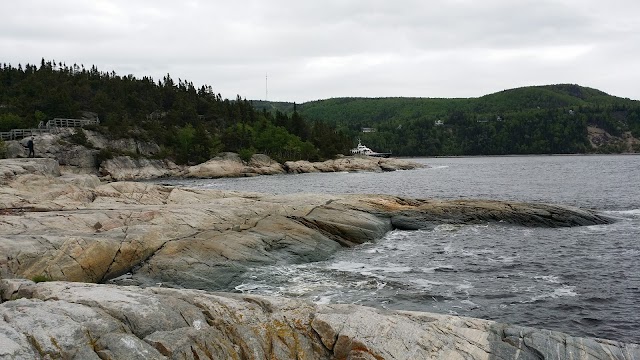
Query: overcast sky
[{"x": 338, "y": 48}]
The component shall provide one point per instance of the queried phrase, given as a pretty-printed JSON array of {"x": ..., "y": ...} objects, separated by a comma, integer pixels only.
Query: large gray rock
[
  {"x": 125, "y": 168},
  {"x": 12, "y": 168},
  {"x": 231, "y": 165},
  {"x": 83, "y": 321},
  {"x": 129, "y": 145},
  {"x": 47, "y": 145}
]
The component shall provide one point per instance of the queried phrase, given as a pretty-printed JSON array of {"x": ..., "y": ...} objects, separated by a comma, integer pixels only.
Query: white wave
[
  {"x": 623, "y": 214},
  {"x": 504, "y": 259},
  {"x": 556, "y": 293},
  {"x": 367, "y": 269},
  {"x": 564, "y": 291},
  {"x": 424, "y": 283},
  {"x": 471, "y": 304},
  {"x": 464, "y": 288},
  {"x": 433, "y": 269},
  {"x": 596, "y": 229},
  {"x": 398, "y": 235},
  {"x": 548, "y": 278},
  {"x": 446, "y": 228}
]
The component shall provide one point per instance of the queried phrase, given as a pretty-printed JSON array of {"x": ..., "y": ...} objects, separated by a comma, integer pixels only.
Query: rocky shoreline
[
  {"x": 88, "y": 321},
  {"x": 124, "y": 168},
  {"x": 142, "y": 164},
  {"x": 77, "y": 230}
]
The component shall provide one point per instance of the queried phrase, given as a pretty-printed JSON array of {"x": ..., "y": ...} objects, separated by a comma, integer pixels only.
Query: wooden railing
[
  {"x": 51, "y": 126},
  {"x": 60, "y": 122},
  {"x": 22, "y": 133}
]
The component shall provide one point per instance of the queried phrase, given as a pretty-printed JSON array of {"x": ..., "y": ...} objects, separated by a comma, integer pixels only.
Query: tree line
[
  {"x": 190, "y": 124},
  {"x": 552, "y": 119}
]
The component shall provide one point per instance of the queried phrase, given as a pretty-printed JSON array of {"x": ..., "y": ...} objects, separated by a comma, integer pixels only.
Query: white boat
[{"x": 363, "y": 150}]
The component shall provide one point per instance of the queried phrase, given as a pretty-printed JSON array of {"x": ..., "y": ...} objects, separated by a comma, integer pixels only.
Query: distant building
[
  {"x": 438, "y": 123},
  {"x": 368, "y": 130},
  {"x": 571, "y": 112}
]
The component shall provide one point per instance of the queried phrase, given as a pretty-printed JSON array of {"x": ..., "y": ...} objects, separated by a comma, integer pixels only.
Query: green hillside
[
  {"x": 527, "y": 120},
  {"x": 372, "y": 110},
  {"x": 190, "y": 124}
]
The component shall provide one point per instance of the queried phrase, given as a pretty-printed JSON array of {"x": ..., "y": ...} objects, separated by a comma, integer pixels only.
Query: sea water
[{"x": 584, "y": 281}]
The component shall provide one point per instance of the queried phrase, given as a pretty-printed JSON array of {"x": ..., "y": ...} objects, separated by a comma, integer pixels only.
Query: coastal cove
[
  {"x": 584, "y": 281},
  {"x": 285, "y": 272}
]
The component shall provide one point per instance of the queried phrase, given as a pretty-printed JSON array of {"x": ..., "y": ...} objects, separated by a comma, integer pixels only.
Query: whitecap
[
  {"x": 623, "y": 214},
  {"x": 446, "y": 228},
  {"x": 424, "y": 283},
  {"x": 549, "y": 278},
  {"x": 429, "y": 270},
  {"x": 471, "y": 304},
  {"x": 633, "y": 212},
  {"x": 565, "y": 291},
  {"x": 504, "y": 259},
  {"x": 556, "y": 293},
  {"x": 366, "y": 269}
]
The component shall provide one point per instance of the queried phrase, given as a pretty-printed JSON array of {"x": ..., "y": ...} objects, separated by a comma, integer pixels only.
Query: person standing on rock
[{"x": 30, "y": 147}]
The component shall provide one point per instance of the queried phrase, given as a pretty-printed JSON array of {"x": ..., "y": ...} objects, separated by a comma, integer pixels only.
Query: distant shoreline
[{"x": 508, "y": 155}]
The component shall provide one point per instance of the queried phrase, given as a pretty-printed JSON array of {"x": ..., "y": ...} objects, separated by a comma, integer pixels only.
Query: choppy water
[{"x": 584, "y": 281}]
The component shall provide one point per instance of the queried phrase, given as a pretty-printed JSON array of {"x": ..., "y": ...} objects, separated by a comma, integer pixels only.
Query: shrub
[
  {"x": 246, "y": 154},
  {"x": 80, "y": 138},
  {"x": 40, "y": 278},
  {"x": 103, "y": 155}
]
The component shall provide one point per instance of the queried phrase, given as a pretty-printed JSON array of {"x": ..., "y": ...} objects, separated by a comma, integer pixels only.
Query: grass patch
[{"x": 40, "y": 278}]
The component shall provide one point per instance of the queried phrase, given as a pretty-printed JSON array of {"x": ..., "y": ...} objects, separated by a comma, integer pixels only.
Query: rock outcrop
[
  {"x": 126, "y": 168},
  {"x": 80, "y": 158},
  {"x": 351, "y": 163},
  {"x": 230, "y": 165},
  {"x": 85, "y": 158},
  {"x": 54, "y": 320},
  {"x": 75, "y": 228},
  {"x": 600, "y": 139}
]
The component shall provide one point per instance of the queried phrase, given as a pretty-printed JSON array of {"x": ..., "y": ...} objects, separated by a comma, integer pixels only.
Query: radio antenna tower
[{"x": 266, "y": 87}]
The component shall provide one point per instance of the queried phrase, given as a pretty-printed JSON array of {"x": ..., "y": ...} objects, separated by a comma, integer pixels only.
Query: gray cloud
[{"x": 452, "y": 48}]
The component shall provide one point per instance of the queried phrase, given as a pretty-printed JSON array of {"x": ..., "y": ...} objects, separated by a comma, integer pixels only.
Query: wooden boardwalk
[{"x": 52, "y": 126}]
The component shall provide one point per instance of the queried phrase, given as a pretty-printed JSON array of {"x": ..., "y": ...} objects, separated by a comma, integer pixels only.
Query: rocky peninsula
[
  {"x": 84, "y": 233},
  {"x": 138, "y": 159}
]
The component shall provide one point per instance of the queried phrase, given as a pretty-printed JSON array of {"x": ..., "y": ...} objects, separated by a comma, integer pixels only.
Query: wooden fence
[{"x": 51, "y": 126}]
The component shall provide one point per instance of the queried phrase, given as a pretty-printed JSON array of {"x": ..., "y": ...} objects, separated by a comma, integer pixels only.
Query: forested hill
[
  {"x": 530, "y": 120},
  {"x": 191, "y": 124}
]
